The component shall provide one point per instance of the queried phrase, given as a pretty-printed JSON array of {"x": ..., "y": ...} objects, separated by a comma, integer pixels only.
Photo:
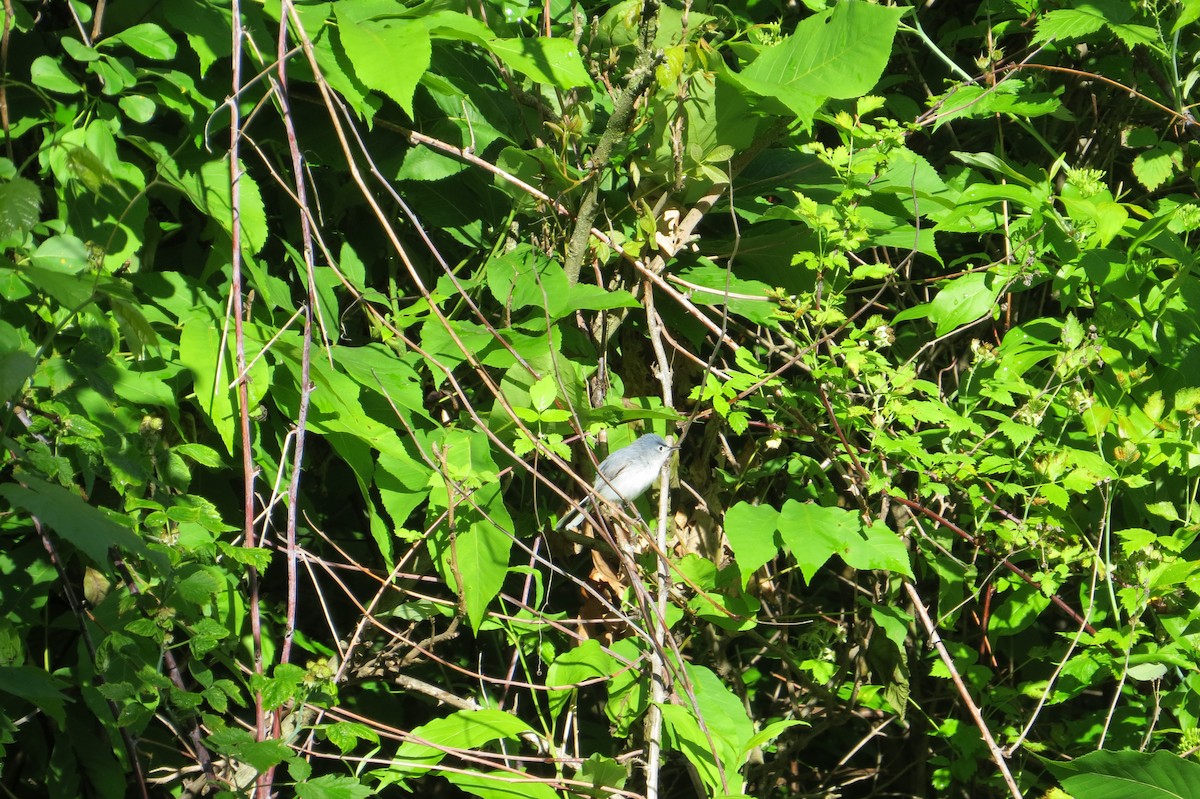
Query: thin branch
[
  {"x": 615, "y": 131},
  {"x": 936, "y": 640}
]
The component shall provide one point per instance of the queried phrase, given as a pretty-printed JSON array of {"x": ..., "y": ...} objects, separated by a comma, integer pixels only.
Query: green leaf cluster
[{"x": 314, "y": 322}]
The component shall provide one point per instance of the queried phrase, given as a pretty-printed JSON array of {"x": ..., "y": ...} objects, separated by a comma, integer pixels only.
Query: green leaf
[
  {"x": 768, "y": 734},
  {"x": 207, "y": 27},
  {"x": 839, "y": 53},
  {"x": 587, "y": 662},
  {"x": 37, "y": 688},
  {"x": 1072, "y": 23},
  {"x": 1025, "y": 346},
  {"x": 552, "y": 61},
  {"x": 994, "y": 163},
  {"x": 464, "y": 730},
  {"x": 378, "y": 370},
  {"x": 751, "y": 532},
  {"x": 87, "y": 167},
  {"x": 1138, "y": 35},
  {"x": 1125, "y": 774},
  {"x": 425, "y": 164},
  {"x": 1099, "y": 211},
  {"x": 1020, "y": 610},
  {"x": 1147, "y": 672},
  {"x": 603, "y": 774},
  {"x": 555, "y": 62},
  {"x": 628, "y": 691},
  {"x": 448, "y": 344},
  {"x": 55, "y": 270},
  {"x": 210, "y": 190},
  {"x": 20, "y": 207},
  {"x": 1014, "y": 97},
  {"x": 1157, "y": 165},
  {"x": 960, "y": 302},
  {"x": 47, "y": 73},
  {"x": 283, "y": 685},
  {"x": 475, "y": 561},
  {"x": 345, "y": 735},
  {"x": 1189, "y": 13},
  {"x": 78, "y": 50},
  {"x": 389, "y": 54},
  {"x": 201, "y": 585},
  {"x": 473, "y": 557},
  {"x": 403, "y": 484},
  {"x": 205, "y": 456},
  {"x": 200, "y": 352},
  {"x": 894, "y": 622},
  {"x": 543, "y": 393},
  {"x": 261, "y": 755},
  {"x": 881, "y": 549},
  {"x": 713, "y": 285},
  {"x": 524, "y": 277},
  {"x": 332, "y": 786},
  {"x": 726, "y": 725},
  {"x": 589, "y": 297},
  {"x": 147, "y": 38},
  {"x": 814, "y": 534},
  {"x": 16, "y": 366},
  {"x": 501, "y": 785},
  {"x": 619, "y": 27},
  {"x": 115, "y": 76},
  {"x": 138, "y": 108},
  {"x": 69, "y": 515}
]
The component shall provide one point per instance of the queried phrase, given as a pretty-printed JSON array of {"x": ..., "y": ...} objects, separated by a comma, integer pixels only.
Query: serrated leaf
[
  {"x": 389, "y": 55},
  {"x": 1069, "y": 23},
  {"x": 345, "y": 735},
  {"x": 1134, "y": 35},
  {"x": 543, "y": 392},
  {"x": 214, "y": 196},
  {"x": 1157, "y": 165},
  {"x": 200, "y": 586}
]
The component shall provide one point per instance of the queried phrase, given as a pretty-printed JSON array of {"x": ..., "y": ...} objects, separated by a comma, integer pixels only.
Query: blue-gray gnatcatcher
[{"x": 625, "y": 474}]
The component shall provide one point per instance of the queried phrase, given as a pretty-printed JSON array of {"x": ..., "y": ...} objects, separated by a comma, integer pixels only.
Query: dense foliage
[{"x": 315, "y": 317}]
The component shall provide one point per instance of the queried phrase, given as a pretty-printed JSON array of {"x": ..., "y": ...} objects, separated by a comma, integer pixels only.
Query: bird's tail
[{"x": 574, "y": 517}]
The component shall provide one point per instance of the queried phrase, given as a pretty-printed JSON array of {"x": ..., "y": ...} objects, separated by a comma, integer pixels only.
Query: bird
[{"x": 624, "y": 475}]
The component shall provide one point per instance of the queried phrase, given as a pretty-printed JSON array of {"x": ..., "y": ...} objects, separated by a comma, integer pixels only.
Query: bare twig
[{"x": 936, "y": 640}]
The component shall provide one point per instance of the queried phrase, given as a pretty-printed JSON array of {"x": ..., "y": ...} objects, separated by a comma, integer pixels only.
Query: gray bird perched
[{"x": 625, "y": 474}]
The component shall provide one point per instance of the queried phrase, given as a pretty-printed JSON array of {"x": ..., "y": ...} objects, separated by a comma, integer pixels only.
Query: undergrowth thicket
[{"x": 315, "y": 317}]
